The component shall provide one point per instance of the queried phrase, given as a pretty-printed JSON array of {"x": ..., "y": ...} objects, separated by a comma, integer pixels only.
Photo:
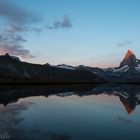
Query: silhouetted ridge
[
  {"x": 12, "y": 68},
  {"x": 22, "y": 72},
  {"x": 7, "y": 55}
]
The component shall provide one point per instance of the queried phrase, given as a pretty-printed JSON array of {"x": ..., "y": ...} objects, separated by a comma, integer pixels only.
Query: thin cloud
[
  {"x": 16, "y": 14},
  {"x": 16, "y": 49},
  {"x": 64, "y": 23},
  {"x": 16, "y": 22},
  {"x": 7, "y": 38},
  {"x": 124, "y": 44}
]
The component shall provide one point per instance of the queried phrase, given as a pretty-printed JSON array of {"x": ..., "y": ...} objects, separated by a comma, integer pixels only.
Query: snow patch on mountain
[
  {"x": 15, "y": 58},
  {"x": 123, "y": 94},
  {"x": 137, "y": 68},
  {"x": 63, "y": 66},
  {"x": 138, "y": 97},
  {"x": 122, "y": 69}
]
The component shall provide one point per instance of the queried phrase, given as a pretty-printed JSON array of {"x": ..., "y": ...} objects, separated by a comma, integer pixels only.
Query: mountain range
[{"x": 12, "y": 71}]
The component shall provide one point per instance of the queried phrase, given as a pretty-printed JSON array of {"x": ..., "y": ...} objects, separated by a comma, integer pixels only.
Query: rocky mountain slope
[
  {"x": 12, "y": 70},
  {"x": 127, "y": 72}
]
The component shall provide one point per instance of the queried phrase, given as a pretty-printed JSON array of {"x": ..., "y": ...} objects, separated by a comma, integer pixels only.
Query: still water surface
[{"x": 82, "y": 112}]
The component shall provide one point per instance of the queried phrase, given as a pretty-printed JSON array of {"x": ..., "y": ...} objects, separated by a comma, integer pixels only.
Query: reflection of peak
[
  {"x": 128, "y": 108},
  {"x": 129, "y": 60},
  {"x": 129, "y": 104}
]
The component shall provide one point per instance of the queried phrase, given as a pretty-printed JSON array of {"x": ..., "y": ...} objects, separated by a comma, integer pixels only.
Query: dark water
[{"x": 74, "y": 112}]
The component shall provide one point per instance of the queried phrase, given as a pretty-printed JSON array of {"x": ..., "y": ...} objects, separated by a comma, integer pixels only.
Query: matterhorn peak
[
  {"x": 129, "y": 54},
  {"x": 130, "y": 59}
]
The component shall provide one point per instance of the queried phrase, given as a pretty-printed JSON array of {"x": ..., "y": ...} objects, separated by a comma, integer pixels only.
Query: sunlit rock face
[
  {"x": 130, "y": 60},
  {"x": 127, "y": 72}
]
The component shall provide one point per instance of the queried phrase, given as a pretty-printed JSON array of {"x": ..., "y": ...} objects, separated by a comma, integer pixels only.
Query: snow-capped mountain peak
[
  {"x": 130, "y": 60},
  {"x": 129, "y": 54}
]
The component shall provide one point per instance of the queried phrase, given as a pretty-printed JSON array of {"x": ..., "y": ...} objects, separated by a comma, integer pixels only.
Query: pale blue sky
[{"x": 101, "y": 33}]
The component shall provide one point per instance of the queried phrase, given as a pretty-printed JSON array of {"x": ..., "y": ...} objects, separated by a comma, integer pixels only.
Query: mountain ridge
[
  {"x": 14, "y": 71},
  {"x": 12, "y": 68}
]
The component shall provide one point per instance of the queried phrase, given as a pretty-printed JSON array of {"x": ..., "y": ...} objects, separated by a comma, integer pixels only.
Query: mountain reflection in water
[{"x": 64, "y": 112}]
